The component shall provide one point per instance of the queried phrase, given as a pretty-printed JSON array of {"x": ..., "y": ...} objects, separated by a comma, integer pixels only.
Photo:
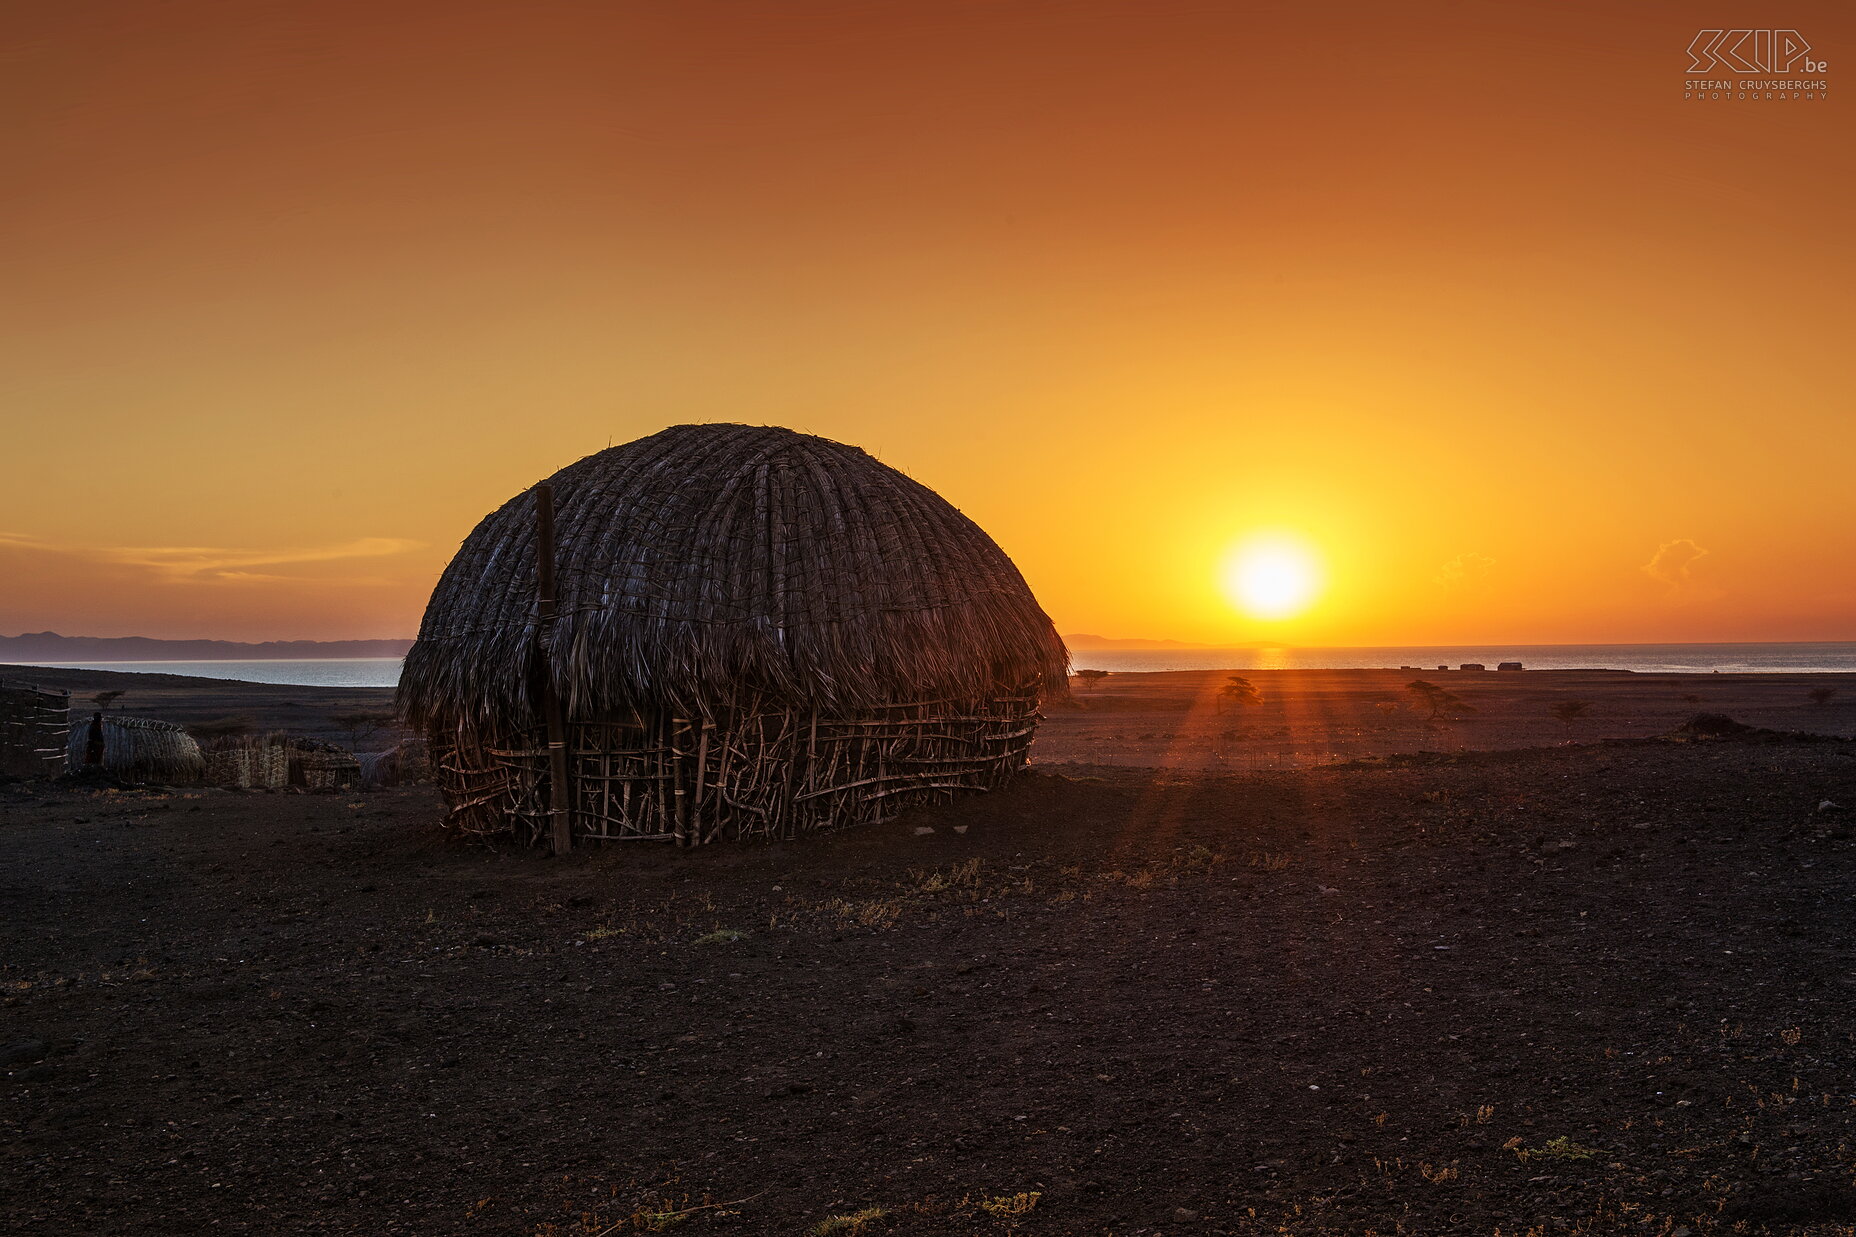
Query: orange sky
[{"x": 1465, "y": 295}]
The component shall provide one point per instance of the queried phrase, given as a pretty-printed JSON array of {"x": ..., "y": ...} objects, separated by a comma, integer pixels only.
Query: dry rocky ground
[
  {"x": 1308, "y": 718},
  {"x": 1595, "y": 990}
]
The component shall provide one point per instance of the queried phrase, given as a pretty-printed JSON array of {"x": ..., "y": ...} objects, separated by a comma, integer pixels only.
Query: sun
[{"x": 1273, "y": 577}]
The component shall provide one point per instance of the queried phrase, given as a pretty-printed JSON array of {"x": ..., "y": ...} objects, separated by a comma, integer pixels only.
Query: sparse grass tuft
[
  {"x": 962, "y": 875},
  {"x": 721, "y": 936},
  {"x": 1561, "y": 1148},
  {"x": 876, "y": 913},
  {"x": 847, "y": 1225},
  {"x": 1007, "y": 1205},
  {"x": 1200, "y": 858}
]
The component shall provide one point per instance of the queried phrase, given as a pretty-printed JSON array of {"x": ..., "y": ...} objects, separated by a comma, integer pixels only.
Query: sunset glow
[
  {"x": 1272, "y": 578},
  {"x": 296, "y": 294}
]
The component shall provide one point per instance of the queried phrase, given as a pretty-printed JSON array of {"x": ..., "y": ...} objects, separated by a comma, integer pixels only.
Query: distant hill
[
  {"x": 50, "y": 646},
  {"x": 1088, "y": 642}
]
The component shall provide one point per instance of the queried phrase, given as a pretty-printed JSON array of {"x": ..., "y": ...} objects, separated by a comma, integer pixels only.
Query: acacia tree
[
  {"x": 1239, "y": 691},
  {"x": 1441, "y": 701},
  {"x": 105, "y": 699},
  {"x": 360, "y": 726},
  {"x": 1570, "y": 711},
  {"x": 1821, "y": 695},
  {"x": 1089, "y": 678}
]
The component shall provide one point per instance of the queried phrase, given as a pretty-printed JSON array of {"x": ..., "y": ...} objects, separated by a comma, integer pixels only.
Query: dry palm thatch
[
  {"x": 750, "y": 620},
  {"x": 134, "y": 748}
]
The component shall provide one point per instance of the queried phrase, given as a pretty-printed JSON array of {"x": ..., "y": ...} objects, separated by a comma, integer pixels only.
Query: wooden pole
[
  {"x": 681, "y": 816},
  {"x": 560, "y": 791}
]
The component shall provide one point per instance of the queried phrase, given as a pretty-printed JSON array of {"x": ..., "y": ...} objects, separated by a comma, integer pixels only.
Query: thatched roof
[
  {"x": 708, "y": 563},
  {"x": 139, "y": 748}
]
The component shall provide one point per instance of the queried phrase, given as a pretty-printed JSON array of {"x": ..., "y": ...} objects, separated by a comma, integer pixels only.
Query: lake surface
[
  {"x": 298, "y": 672},
  {"x": 1644, "y": 658}
]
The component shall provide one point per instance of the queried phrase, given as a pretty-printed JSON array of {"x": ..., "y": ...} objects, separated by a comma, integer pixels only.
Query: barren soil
[
  {"x": 1602, "y": 989},
  {"x": 1181, "y": 719}
]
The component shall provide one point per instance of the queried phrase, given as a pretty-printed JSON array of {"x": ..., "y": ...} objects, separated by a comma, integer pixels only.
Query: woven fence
[
  {"x": 759, "y": 777},
  {"x": 277, "y": 761},
  {"x": 33, "y": 730},
  {"x": 248, "y": 763}
]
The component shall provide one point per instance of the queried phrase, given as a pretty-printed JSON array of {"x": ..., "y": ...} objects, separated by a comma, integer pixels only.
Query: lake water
[
  {"x": 1644, "y": 658},
  {"x": 301, "y": 672}
]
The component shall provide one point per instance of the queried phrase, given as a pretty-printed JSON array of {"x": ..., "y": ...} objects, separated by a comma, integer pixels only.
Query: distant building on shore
[{"x": 1509, "y": 665}]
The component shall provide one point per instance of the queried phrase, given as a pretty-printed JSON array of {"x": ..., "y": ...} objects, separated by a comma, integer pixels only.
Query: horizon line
[{"x": 1177, "y": 646}]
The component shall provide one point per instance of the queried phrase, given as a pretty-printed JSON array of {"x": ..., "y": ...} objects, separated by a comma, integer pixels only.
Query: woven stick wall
[
  {"x": 760, "y": 634},
  {"x": 33, "y": 725},
  {"x": 763, "y": 776}
]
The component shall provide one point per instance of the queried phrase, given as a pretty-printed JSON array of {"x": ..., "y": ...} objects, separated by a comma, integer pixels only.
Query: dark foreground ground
[{"x": 1592, "y": 991}]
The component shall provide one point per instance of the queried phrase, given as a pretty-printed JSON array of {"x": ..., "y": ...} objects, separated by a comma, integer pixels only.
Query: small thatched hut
[
  {"x": 137, "y": 749},
  {"x": 748, "y": 633}
]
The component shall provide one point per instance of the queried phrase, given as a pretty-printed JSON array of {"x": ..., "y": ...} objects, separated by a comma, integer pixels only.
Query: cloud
[
  {"x": 1465, "y": 569},
  {"x": 186, "y": 562},
  {"x": 1673, "y": 562},
  {"x": 183, "y": 564}
]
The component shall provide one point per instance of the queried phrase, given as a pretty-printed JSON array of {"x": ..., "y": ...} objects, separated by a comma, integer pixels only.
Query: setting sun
[{"x": 1272, "y": 578}]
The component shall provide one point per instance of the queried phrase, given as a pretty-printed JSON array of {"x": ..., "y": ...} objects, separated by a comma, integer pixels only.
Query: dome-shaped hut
[
  {"x": 749, "y": 633},
  {"x": 141, "y": 749}
]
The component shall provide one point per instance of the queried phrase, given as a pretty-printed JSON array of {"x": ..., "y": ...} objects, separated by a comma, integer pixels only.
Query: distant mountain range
[{"x": 50, "y": 646}]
